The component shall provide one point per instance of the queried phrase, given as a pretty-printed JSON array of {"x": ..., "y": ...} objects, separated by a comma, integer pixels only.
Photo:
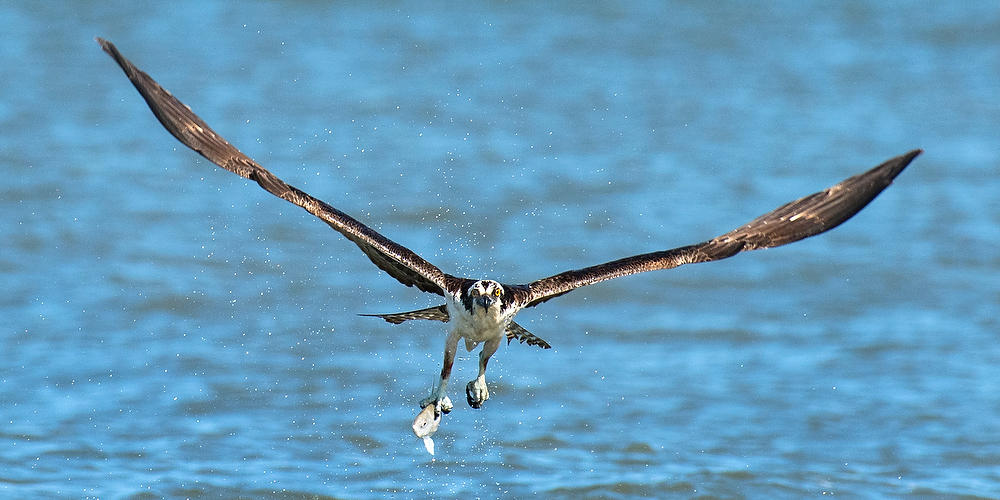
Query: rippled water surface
[{"x": 170, "y": 330}]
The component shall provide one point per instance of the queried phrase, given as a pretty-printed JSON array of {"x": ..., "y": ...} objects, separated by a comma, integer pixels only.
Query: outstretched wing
[
  {"x": 400, "y": 262},
  {"x": 440, "y": 313},
  {"x": 794, "y": 221}
]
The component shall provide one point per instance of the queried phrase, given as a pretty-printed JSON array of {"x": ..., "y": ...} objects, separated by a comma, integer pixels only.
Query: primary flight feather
[{"x": 482, "y": 310}]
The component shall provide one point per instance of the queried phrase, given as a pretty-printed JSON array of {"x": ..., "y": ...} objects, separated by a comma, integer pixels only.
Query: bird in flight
[{"x": 481, "y": 311}]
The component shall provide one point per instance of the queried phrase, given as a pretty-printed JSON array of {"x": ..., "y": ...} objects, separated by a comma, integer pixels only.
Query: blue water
[{"x": 171, "y": 330}]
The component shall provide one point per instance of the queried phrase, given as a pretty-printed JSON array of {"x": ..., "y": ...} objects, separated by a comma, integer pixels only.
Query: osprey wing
[
  {"x": 400, "y": 262},
  {"x": 793, "y": 221},
  {"x": 436, "y": 313}
]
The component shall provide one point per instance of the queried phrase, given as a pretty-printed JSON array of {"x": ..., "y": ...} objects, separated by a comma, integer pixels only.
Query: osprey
[{"x": 481, "y": 311}]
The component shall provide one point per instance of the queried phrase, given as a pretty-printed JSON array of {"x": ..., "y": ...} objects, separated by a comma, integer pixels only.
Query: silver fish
[{"x": 426, "y": 424}]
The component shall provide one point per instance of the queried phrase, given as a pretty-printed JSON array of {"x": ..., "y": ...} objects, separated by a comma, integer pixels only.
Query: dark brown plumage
[
  {"x": 802, "y": 218},
  {"x": 482, "y": 311},
  {"x": 401, "y": 263}
]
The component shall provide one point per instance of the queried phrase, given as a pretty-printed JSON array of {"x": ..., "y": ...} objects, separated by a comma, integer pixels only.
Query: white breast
[{"x": 479, "y": 326}]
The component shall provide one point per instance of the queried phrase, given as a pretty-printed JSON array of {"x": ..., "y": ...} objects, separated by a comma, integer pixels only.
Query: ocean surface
[{"x": 170, "y": 330}]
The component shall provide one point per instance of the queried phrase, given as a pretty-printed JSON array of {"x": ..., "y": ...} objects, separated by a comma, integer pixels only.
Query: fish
[{"x": 427, "y": 423}]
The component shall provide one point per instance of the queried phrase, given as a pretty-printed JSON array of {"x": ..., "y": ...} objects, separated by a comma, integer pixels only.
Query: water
[{"x": 170, "y": 330}]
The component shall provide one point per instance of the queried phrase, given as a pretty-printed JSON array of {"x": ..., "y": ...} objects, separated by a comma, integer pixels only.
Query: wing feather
[
  {"x": 799, "y": 219},
  {"x": 436, "y": 313},
  {"x": 516, "y": 331},
  {"x": 396, "y": 260}
]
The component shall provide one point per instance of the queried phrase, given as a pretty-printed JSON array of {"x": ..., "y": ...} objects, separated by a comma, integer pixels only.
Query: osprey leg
[
  {"x": 439, "y": 394},
  {"x": 476, "y": 391}
]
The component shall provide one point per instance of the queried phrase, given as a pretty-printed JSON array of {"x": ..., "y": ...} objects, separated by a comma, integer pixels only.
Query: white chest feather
[{"x": 480, "y": 325}]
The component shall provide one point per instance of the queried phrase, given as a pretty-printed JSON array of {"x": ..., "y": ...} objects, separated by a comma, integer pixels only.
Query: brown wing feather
[
  {"x": 436, "y": 313},
  {"x": 397, "y": 260},
  {"x": 793, "y": 221},
  {"x": 516, "y": 331}
]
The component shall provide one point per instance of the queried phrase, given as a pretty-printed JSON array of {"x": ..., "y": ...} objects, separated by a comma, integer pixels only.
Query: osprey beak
[{"x": 485, "y": 300}]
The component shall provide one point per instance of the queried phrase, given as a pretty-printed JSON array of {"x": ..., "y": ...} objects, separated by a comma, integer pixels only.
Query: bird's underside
[
  {"x": 482, "y": 311},
  {"x": 513, "y": 331}
]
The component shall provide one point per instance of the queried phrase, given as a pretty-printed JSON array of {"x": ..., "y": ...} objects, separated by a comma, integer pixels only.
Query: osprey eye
[{"x": 498, "y": 292}]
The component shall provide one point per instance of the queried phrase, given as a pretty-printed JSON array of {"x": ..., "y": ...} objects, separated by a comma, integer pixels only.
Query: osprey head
[{"x": 485, "y": 294}]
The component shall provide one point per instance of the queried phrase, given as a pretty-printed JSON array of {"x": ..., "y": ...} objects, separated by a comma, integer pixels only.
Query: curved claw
[
  {"x": 476, "y": 393},
  {"x": 443, "y": 405}
]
